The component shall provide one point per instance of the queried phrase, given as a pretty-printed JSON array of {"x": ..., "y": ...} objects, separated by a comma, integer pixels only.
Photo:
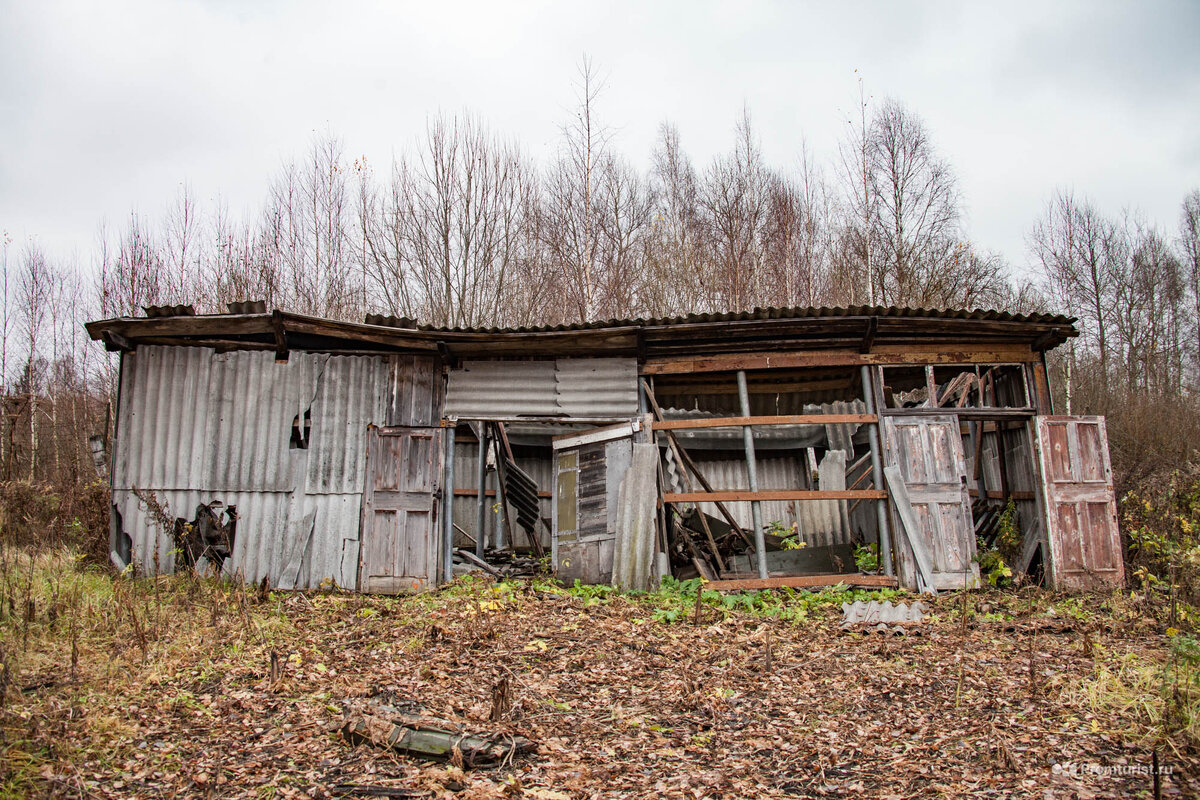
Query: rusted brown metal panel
[
  {"x": 1081, "y": 511},
  {"x": 399, "y": 528},
  {"x": 929, "y": 454}
]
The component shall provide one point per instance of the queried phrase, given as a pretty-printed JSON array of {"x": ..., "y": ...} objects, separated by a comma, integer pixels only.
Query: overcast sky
[{"x": 109, "y": 106}]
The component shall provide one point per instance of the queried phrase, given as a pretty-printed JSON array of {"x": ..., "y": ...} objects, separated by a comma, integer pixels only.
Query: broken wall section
[{"x": 196, "y": 426}]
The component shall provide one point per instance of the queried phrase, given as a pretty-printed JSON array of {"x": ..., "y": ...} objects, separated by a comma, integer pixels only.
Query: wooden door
[
  {"x": 928, "y": 452},
  {"x": 588, "y": 470},
  {"x": 400, "y": 533},
  {"x": 1081, "y": 511}
]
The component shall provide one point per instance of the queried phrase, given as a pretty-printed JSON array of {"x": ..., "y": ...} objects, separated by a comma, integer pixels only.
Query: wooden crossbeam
[
  {"x": 787, "y": 419},
  {"x": 802, "y": 582},
  {"x": 788, "y": 494}
]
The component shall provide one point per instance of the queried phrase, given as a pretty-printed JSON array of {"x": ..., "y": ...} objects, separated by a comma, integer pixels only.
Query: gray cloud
[{"x": 108, "y": 107}]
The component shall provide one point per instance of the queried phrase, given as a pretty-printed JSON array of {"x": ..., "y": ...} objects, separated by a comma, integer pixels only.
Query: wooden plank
[
  {"x": 787, "y": 494},
  {"x": 829, "y": 358},
  {"x": 492, "y": 493},
  {"x": 605, "y": 434},
  {"x": 787, "y": 419},
  {"x": 803, "y": 582},
  {"x": 909, "y": 524},
  {"x": 726, "y": 387},
  {"x": 992, "y": 494}
]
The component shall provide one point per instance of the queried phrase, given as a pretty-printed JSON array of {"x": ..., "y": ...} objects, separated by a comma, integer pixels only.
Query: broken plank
[
  {"x": 803, "y": 582},
  {"x": 910, "y": 526}
]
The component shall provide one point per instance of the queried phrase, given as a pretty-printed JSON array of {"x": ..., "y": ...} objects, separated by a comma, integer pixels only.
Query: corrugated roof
[{"x": 762, "y": 313}]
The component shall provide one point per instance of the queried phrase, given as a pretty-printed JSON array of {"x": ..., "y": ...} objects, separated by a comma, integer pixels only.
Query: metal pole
[
  {"x": 448, "y": 509},
  {"x": 760, "y": 544},
  {"x": 502, "y": 523},
  {"x": 481, "y": 500},
  {"x": 881, "y": 510}
]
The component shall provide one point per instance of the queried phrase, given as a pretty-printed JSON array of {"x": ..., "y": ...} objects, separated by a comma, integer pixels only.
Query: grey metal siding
[
  {"x": 197, "y": 426},
  {"x": 584, "y": 388}
]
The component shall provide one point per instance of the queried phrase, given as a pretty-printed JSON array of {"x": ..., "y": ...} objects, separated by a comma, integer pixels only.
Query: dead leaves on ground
[{"x": 618, "y": 705}]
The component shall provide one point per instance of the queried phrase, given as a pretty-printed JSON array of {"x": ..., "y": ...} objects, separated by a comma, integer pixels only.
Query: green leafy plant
[
  {"x": 995, "y": 570},
  {"x": 790, "y": 534},
  {"x": 1010, "y": 539},
  {"x": 866, "y": 557}
]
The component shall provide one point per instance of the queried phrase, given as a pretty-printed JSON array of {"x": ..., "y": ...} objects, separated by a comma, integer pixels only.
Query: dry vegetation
[{"x": 117, "y": 687}]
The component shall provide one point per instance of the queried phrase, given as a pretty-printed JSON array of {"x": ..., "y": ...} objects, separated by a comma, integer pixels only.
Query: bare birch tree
[
  {"x": 571, "y": 226},
  {"x": 734, "y": 199},
  {"x": 452, "y": 232},
  {"x": 677, "y": 257}
]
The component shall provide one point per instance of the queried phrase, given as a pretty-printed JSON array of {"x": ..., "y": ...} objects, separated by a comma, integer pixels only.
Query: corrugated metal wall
[
  {"x": 197, "y": 426},
  {"x": 584, "y": 388},
  {"x": 821, "y": 521}
]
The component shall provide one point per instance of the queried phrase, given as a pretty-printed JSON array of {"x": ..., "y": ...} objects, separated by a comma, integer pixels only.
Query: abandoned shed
[{"x": 769, "y": 447}]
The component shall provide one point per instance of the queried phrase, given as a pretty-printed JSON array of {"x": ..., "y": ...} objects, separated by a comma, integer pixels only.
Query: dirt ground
[{"x": 165, "y": 689}]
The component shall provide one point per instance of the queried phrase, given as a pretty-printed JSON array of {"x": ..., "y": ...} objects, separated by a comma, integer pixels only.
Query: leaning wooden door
[
  {"x": 1081, "y": 510},
  {"x": 929, "y": 454},
  {"x": 399, "y": 548}
]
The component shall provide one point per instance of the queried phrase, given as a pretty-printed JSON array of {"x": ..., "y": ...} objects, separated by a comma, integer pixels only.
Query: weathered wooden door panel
[
  {"x": 1083, "y": 540},
  {"x": 399, "y": 550},
  {"x": 588, "y": 470},
  {"x": 929, "y": 454}
]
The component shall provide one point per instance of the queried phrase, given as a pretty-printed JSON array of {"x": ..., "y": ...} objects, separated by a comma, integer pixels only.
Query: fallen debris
[
  {"x": 416, "y": 737},
  {"x": 875, "y": 612}
]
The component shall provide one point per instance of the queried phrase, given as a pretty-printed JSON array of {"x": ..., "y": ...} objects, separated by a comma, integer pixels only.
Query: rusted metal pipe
[
  {"x": 760, "y": 542},
  {"x": 481, "y": 503},
  {"x": 448, "y": 509},
  {"x": 881, "y": 507}
]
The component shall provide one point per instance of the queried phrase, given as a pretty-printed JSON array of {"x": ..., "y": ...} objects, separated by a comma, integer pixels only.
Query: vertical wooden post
[{"x": 760, "y": 543}]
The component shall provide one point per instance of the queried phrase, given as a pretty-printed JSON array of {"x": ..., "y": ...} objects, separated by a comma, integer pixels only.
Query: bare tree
[
  {"x": 571, "y": 226},
  {"x": 677, "y": 250},
  {"x": 182, "y": 243},
  {"x": 35, "y": 296},
  {"x": 857, "y": 163},
  {"x": 797, "y": 238},
  {"x": 917, "y": 213},
  {"x": 131, "y": 277},
  {"x": 734, "y": 199},
  {"x": 1189, "y": 240},
  {"x": 449, "y": 237},
  {"x": 303, "y": 240}
]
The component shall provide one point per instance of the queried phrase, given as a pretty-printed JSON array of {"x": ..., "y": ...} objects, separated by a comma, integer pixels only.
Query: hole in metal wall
[{"x": 300, "y": 434}]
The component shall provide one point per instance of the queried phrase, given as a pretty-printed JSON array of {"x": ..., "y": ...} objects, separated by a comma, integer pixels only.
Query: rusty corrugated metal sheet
[
  {"x": 567, "y": 387},
  {"x": 197, "y": 426}
]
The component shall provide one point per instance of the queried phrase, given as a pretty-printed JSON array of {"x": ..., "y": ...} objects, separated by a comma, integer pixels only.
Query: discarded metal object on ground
[{"x": 418, "y": 737}]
